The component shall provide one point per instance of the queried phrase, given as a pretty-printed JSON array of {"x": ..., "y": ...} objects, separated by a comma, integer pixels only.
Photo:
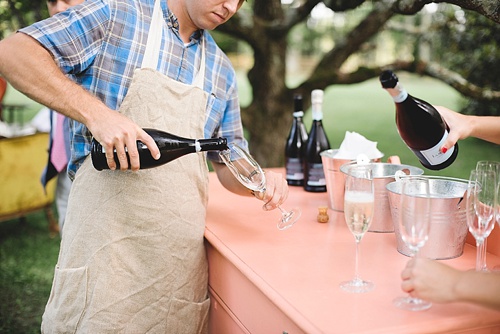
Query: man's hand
[
  {"x": 276, "y": 190},
  {"x": 116, "y": 132}
]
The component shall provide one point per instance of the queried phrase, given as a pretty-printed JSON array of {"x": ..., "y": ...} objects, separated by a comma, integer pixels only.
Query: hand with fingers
[
  {"x": 276, "y": 190},
  {"x": 117, "y": 133}
]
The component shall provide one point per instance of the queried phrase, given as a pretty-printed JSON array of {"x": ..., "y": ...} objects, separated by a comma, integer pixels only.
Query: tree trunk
[
  {"x": 269, "y": 116},
  {"x": 267, "y": 119}
]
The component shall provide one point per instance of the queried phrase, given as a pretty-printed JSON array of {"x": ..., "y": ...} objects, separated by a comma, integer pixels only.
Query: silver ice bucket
[
  {"x": 448, "y": 229},
  {"x": 383, "y": 174}
]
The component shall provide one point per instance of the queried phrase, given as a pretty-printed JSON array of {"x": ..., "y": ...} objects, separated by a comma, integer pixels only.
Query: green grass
[
  {"x": 28, "y": 255},
  {"x": 27, "y": 259}
]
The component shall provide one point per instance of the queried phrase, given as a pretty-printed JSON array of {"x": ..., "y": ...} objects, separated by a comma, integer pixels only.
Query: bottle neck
[
  {"x": 211, "y": 144},
  {"x": 398, "y": 93},
  {"x": 298, "y": 114},
  {"x": 317, "y": 112}
]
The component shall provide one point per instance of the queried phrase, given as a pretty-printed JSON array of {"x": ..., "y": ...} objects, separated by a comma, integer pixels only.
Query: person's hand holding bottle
[{"x": 464, "y": 126}]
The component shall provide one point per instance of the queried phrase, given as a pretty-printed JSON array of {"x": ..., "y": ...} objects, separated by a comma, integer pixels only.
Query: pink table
[{"x": 263, "y": 280}]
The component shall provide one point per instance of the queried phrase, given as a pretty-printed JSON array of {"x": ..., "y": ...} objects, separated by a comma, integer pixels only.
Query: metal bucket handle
[{"x": 400, "y": 175}]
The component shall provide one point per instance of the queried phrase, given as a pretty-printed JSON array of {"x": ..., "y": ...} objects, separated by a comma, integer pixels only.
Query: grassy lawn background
[
  {"x": 27, "y": 260},
  {"x": 28, "y": 255}
]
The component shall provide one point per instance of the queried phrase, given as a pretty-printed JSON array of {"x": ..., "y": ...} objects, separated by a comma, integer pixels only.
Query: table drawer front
[{"x": 256, "y": 312}]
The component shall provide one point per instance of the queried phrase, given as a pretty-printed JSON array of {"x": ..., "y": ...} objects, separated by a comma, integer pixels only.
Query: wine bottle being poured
[
  {"x": 420, "y": 125},
  {"x": 171, "y": 147}
]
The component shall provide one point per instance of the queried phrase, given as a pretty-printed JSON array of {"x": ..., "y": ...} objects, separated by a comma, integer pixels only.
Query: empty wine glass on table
[
  {"x": 494, "y": 166},
  {"x": 480, "y": 210},
  {"x": 358, "y": 212},
  {"x": 414, "y": 224},
  {"x": 249, "y": 173}
]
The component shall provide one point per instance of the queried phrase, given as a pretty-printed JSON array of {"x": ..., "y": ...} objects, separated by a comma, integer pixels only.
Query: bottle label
[
  {"x": 434, "y": 155},
  {"x": 294, "y": 169},
  {"x": 316, "y": 175}
]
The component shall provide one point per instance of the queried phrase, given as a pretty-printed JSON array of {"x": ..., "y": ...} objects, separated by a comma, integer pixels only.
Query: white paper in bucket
[{"x": 355, "y": 144}]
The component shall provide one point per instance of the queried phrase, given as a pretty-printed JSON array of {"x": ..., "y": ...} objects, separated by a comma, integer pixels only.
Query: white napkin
[
  {"x": 355, "y": 144},
  {"x": 15, "y": 130},
  {"x": 41, "y": 121}
]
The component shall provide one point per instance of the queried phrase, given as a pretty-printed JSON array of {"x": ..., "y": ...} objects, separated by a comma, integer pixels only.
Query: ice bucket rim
[
  {"x": 418, "y": 171},
  {"x": 391, "y": 185}
]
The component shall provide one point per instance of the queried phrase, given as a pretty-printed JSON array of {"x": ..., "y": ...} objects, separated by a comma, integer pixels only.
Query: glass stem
[
  {"x": 414, "y": 255},
  {"x": 356, "y": 263},
  {"x": 283, "y": 212},
  {"x": 481, "y": 254}
]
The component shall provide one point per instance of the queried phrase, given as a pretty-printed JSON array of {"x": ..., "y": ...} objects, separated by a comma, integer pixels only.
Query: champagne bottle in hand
[
  {"x": 171, "y": 147},
  {"x": 420, "y": 125}
]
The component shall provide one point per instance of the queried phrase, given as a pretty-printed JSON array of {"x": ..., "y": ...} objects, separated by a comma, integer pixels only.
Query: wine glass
[
  {"x": 358, "y": 212},
  {"x": 480, "y": 210},
  {"x": 495, "y": 167},
  {"x": 249, "y": 173},
  {"x": 414, "y": 224}
]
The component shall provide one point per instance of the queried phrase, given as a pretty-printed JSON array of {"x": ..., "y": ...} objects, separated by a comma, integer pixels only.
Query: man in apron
[{"x": 132, "y": 258}]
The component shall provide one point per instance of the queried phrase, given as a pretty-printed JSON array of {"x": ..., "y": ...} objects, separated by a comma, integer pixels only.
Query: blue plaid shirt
[{"x": 100, "y": 43}]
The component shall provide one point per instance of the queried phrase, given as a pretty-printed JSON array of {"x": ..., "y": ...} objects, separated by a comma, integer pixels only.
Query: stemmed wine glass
[
  {"x": 493, "y": 166},
  {"x": 249, "y": 173},
  {"x": 358, "y": 212},
  {"x": 414, "y": 224},
  {"x": 480, "y": 210}
]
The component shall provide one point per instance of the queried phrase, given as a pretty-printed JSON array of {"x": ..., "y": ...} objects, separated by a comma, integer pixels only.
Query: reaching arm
[
  {"x": 440, "y": 283},
  {"x": 30, "y": 68},
  {"x": 463, "y": 126}
]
